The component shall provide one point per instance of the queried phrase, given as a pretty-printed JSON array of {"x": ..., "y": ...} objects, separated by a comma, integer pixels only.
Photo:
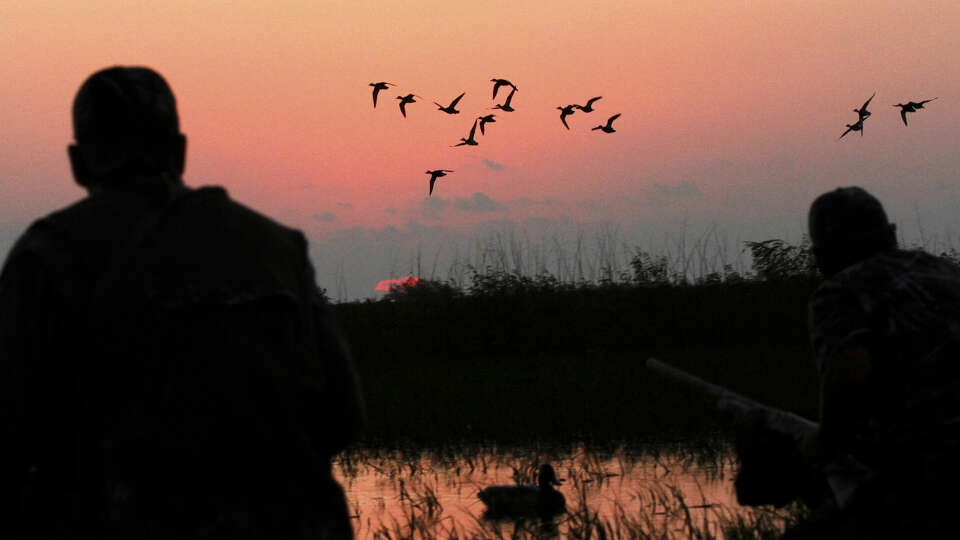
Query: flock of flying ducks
[
  {"x": 482, "y": 121},
  {"x": 863, "y": 113}
]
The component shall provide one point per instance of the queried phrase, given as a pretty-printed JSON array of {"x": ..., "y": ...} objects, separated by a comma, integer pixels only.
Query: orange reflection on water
[{"x": 435, "y": 496}]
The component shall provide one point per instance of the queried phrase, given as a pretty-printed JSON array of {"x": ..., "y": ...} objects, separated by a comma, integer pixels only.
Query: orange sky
[{"x": 743, "y": 101}]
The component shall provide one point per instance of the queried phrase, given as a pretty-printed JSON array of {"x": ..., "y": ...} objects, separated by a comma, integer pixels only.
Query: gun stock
[{"x": 736, "y": 404}]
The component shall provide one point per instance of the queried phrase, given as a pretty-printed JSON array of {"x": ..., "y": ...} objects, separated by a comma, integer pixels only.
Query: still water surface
[{"x": 395, "y": 495}]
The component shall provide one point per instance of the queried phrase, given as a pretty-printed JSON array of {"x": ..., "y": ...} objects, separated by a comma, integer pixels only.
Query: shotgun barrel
[{"x": 736, "y": 404}]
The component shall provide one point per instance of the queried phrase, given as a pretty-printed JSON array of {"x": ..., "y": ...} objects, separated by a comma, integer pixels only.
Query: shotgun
[{"x": 736, "y": 404}]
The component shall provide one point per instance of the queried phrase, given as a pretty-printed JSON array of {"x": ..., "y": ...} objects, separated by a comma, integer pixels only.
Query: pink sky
[{"x": 742, "y": 101}]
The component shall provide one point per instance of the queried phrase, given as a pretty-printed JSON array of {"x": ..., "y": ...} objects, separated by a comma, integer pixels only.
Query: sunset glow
[{"x": 730, "y": 113}]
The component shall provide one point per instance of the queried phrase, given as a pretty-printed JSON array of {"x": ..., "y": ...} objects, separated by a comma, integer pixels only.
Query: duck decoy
[
  {"x": 541, "y": 500},
  {"x": 451, "y": 108},
  {"x": 404, "y": 100},
  {"x": 589, "y": 106},
  {"x": 497, "y": 83},
  {"x": 911, "y": 106},
  {"x": 433, "y": 177},
  {"x": 506, "y": 104},
  {"x": 377, "y": 87},
  {"x": 608, "y": 128},
  {"x": 484, "y": 120},
  {"x": 862, "y": 111},
  {"x": 857, "y": 126},
  {"x": 469, "y": 140},
  {"x": 564, "y": 113}
]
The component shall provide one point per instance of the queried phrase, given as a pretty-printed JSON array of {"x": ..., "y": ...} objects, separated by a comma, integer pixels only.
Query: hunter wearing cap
[
  {"x": 168, "y": 366},
  {"x": 885, "y": 331}
]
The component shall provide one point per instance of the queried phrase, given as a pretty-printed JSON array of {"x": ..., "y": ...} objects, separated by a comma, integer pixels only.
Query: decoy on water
[
  {"x": 497, "y": 83},
  {"x": 589, "y": 106},
  {"x": 862, "y": 111},
  {"x": 451, "y": 108},
  {"x": 911, "y": 106},
  {"x": 433, "y": 177},
  {"x": 608, "y": 128},
  {"x": 470, "y": 140},
  {"x": 506, "y": 104},
  {"x": 484, "y": 120},
  {"x": 404, "y": 100},
  {"x": 541, "y": 500},
  {"x": 564, "y": 113},
  {"x": 377, "y": 87}
]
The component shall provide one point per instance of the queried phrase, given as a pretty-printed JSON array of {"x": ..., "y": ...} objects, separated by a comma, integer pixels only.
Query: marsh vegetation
[{"x": 475, "y": 383}]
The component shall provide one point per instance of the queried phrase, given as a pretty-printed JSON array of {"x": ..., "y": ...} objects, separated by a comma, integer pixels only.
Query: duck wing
[
  {"x": 457, "y": 100},
  {"x": 611, "y": 119},
  {"x": 863, "y": 109},
  {"x": 591, "y": 100},
  {"x": 903, "y": 114}
]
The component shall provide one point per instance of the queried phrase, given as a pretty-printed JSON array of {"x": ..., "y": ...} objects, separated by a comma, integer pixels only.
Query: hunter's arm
[{"x": 841, "y": 340}]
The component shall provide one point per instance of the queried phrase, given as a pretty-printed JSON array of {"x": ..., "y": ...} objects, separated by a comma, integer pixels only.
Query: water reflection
[{"x": 624, "y": 495}]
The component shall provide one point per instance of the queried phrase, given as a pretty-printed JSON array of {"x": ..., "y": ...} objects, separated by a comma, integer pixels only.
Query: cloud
[
  {"x": 326, "y": 216},
  {"x": 390, "y": 210},
  {"x": 680, "y": 190},
  {"x": 345, "y": 205},
  {"x": 526, "y": 202},
  {"x": 478, "y": 203},
  {"x": 433, "y": 207},
  {"x": 493, "y": 165},
  {"x": 591, "y": 205}
]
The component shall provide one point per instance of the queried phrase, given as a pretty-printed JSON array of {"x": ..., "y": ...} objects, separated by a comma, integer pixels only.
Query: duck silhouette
[
  {"x": 433, "y": 177},
  {"x": 564, "y": 113},
  {"x": 541, "y": 500},
  {"x": 404, "y": 100},
  {"x": 589, "y": 106},
  {"x": 377, "y": 87},
  {"x": 857, "y": 126},
  {"x": 911, "y": 106},
  {"x": 497, "y": 83},
  {"x": 469, "y": 140},
  {"x": 484, "y": 120},
  {"x": 608, "y": 128},
  {"x": 451, "y": 108},
  {"x": 506, "y": 104},
  {"x": 862, "y": 111}
]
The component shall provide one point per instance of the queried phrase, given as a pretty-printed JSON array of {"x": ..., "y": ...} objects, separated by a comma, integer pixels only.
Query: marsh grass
[{"x": 428, "y": 495}]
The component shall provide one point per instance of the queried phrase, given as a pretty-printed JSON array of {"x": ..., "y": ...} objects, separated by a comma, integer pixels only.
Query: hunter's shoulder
[{"x": 215, "y": 204}]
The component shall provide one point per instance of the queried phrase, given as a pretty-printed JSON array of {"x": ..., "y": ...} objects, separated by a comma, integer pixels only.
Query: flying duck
[
  {"x": 433, "y": 177},
  {"x": 470, "y": 140},
  {"x": 377, "y": 87},
  {"x": 608, "y": 128},
  {"x": 451, "y": 108}
]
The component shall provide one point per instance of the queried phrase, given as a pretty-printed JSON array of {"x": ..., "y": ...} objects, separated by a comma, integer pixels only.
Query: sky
[{"x": 730, "y": 118}]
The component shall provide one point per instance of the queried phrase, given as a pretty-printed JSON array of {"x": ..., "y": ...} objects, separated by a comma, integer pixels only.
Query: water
[{"x": 429, "y": 496}]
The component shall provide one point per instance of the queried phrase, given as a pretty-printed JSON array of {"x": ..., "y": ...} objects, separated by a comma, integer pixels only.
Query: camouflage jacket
[{"x": 904, "y": 308}]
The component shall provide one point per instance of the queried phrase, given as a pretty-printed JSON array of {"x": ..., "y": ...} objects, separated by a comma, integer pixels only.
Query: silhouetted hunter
[
  {"x": 168, "y": 367},
  {"x": 885, "y": 330}
]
